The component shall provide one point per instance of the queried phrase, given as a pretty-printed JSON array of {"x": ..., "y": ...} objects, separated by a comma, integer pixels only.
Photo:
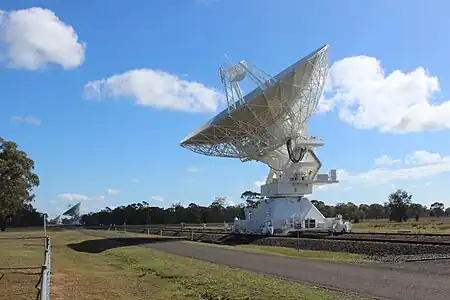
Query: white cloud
[
  {"x": 259, "y": 183},
  {"x": 78, "y": 197},
  {"x": 84, "y": 209},
  {"x": 385, "y": 160},
  {"x": 155, "y": 88},
  {"x": 421, "y": 157},
  {"x": 423, "y": 165},
  {"x": 112, "y": 192},
  {"x": 323, "y": 187},
  {"x": 135, "y": 180},
  {"x": 26, "y": 120},
  {"x": 413, "y": 172},
  {"x": 158, "y": 198},
  {"x": 229, "y": 202},
  {"x": 193, "y": 169},
  {"x": 35, "y": 37},
  {"x": 398, "y": 102},
  {"x": 72, "y": 197}
]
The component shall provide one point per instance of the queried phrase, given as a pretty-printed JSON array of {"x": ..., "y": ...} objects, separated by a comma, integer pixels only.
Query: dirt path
[{"x": 421, "y": 281}]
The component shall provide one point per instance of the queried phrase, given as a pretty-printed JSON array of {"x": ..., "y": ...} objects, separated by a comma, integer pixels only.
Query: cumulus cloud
[
  {"x": 157, "y": 89},
  {"x": 35, "y": 37},
  {"x": 112, "y": 192},
  {"x": 418, "y": 165},
  {"x": 158, "y": 198},
  {"x": 26, "y": 120},
  {"x": 426, "y": 169},
  {"x": 259, "y": 183},
  {"x": 229, "y": 202},
  {"x": 385, "y": 160},
  {"x": 368, "y": 98},
  {"x": 78, "y": 197},
  {"x": 323, "y": 187},
  {"x": 423, "y": 157}
]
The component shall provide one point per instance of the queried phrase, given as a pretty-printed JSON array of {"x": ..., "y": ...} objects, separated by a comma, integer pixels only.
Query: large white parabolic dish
[
  {"x": 73, "y": 211},
  {"x": 259, "y": 128}
]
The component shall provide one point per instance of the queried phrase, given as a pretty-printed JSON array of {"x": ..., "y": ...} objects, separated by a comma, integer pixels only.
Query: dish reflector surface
[{"x": 268, "y": 117}]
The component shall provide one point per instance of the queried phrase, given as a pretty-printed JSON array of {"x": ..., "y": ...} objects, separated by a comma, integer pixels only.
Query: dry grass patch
[
  {"x": 20, "y": 262},
  {"x": 424, "y": 225},
  {"x": 290, "y": 252}
]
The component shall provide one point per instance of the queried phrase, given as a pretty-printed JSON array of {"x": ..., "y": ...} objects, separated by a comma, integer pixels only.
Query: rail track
[{"x": 417, "y": 239}]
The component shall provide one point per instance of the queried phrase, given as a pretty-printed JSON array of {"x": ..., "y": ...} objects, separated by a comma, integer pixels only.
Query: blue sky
[{"x": 387, "y": 95}]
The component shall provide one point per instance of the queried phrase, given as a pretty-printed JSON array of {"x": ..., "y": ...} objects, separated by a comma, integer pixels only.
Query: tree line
[
  {"x": 398, "y": 208},
  {"x": 18, "y": 180}
]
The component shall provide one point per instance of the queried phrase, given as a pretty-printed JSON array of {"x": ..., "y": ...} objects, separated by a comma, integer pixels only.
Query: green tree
[
  {"x": 399, "y": 203},
  {"x": 17, "y": 180},
  {"x": 447, "y": 212},
  {"x": 437, "y": 208},
  {"x": 251, "y": 199},
  {"x": 416, "y": 211},
  {"x": 27, "y": 216},
  {"x": 376, "y": 211},
  {"x": 322, "y": 207}
]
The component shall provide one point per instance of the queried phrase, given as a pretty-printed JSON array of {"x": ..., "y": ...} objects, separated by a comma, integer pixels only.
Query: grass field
[
  {"x": 424, "y": 225},
  {"x": 20, "y": 266},
  {"x": 106, "y": 269},
  {"x": 303, "y": 254}
]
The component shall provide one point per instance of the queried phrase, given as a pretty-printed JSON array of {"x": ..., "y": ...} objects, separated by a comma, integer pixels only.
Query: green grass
[
  {"x": 424, "y": 225},
  {"x": 25, "y": 254},
  {"x": 135, "y": 272},
  {"x": 301, "y": 254}
]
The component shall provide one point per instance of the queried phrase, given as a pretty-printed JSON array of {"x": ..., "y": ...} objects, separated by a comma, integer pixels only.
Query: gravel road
[{"x": 417, "y": 280}]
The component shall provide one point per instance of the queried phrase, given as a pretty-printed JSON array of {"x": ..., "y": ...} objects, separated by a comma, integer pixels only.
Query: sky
[{"x": 100, "y": 94}]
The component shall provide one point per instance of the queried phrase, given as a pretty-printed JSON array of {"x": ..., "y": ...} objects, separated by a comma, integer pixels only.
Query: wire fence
[
  {"x": 44, "y": 280},
  {"x": 21, "y": 264}
]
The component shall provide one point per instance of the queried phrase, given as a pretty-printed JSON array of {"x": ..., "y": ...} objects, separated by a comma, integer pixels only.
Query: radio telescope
[
  {"x": 72, "y": 215},
  {"x": 270, "y": 125}
]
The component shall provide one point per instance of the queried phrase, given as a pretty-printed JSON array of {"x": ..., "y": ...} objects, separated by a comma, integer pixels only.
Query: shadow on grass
[
  {"x": 235, "y": 240},
  {"x": 100, "y": 245}
]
